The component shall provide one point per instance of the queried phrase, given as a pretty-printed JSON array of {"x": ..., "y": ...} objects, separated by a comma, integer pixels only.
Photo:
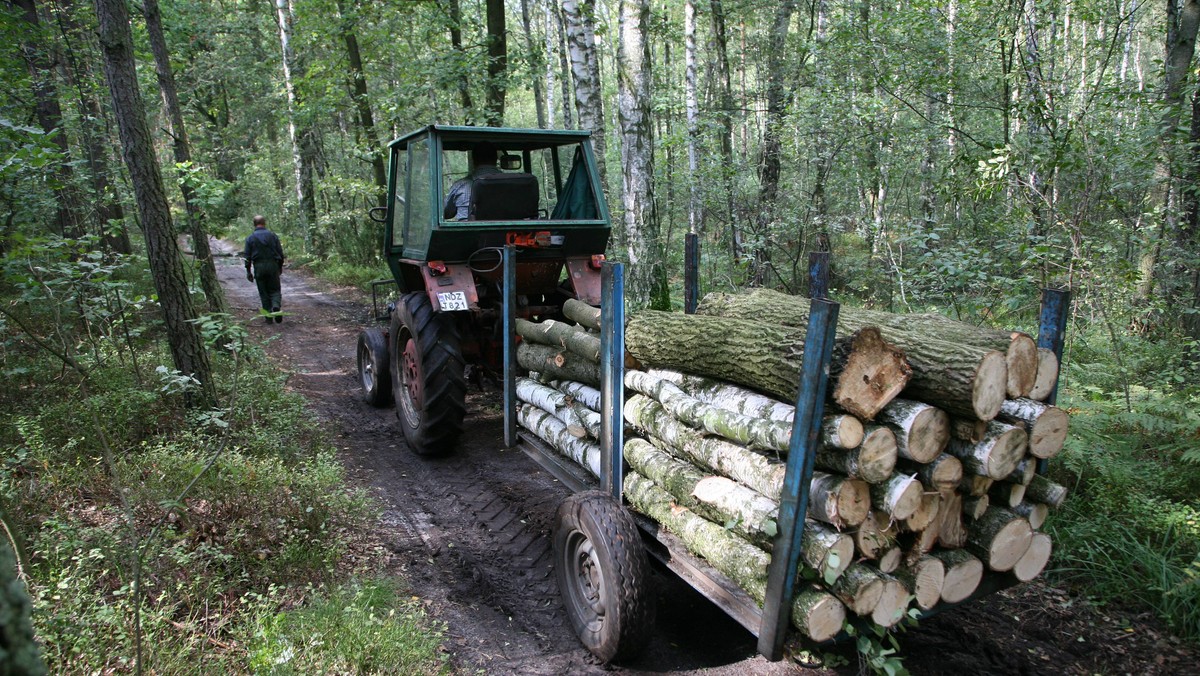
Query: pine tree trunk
[
  {"x": 166, "y": 267},
  {"x": 183, "y": 157},
  {"x": 867, "y": 372}
]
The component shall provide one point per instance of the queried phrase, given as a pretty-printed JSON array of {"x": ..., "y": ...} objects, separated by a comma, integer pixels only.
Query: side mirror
[{"x": 378, "y": 214}]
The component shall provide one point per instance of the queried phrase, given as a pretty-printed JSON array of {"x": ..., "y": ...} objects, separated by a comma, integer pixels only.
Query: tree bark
[
  {"x": 557, "y": 363},
  {"x": 558, "y": 334},
  {"x": 963, "y": 379},
  {"x": 583, "y": 394},
  {"x": 1034, "y": 512},
  {"x": 581, "y": 313},
  {"x": 554, "y": 432},
  {"x": 647, "y": 282},
  {"x": 867, "y": 372},
  {"x": 497, "y": 64},
  {"x": 585, "y": 69},
  {"x": 860, "y": 588},
  {"x": 1041, "y": 489},
  {"x": 368, "y": 140},
  {"x": 456, "y": 43},
  {"x": 166, "y": 267},
  {"x": 942, "y": 473},
  {"x": 183, "y": 156},
  {"x": 303, "y": 144},
  {"x": 537, "y": 63}
]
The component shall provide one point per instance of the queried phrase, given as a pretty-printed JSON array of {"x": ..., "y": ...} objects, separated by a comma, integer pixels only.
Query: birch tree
[
  {"x": 302, "y": 141},
  {"x": 585, "y": 69}
]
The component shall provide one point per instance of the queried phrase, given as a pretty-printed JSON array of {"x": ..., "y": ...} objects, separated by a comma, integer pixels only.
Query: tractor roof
[{"x": 464, "y": 138}]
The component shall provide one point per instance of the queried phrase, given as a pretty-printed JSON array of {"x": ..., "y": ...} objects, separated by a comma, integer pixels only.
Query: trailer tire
[
  {"x": 428, "y": 380},
  {"x": 603, "y": 575},
  {"x": 374, "y": 367}
]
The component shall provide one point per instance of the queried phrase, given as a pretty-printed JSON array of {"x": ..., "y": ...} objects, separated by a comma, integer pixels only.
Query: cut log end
[
  {"x": 818, "y": 614},
  {"x": 1047, "y": 375},
  {"x": 1034, "y": 561},
  {"x": 925, "y": 580},
  {"x": 874, "y": 373},
  {"x": 1048, "y": 434},
  {"x": 963, "y": 575},
  {"x": 990, "y": 386},
  {"x": 1021, "y": 361},
  {"x": 892, "y": 603}
]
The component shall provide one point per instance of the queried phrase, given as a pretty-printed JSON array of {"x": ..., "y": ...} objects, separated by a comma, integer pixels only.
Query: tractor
[{"x": 544, "y": 197}]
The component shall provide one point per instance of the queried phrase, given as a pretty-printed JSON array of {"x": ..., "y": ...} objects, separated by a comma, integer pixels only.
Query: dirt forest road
[{"x": 470, "y": 534}]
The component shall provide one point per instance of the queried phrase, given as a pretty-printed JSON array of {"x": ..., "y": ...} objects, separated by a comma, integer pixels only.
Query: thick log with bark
[
  {"x": 742, "y": 429},
  {"x": 964, "y": 572},
  {"x": 996, "y": 455},
  {"x": 872, "y": 461},
  {"x": 838, "y": 500},
  {"x": 963, "y": 379},
  {"x": 999, "y": 538},
  {"x": 922, "y": 431},
  {"x": 925, "y": 515},
  {"x": 584, "y": 394},
  {"x": 557, "y": 363},
  {"x": 866, "y": 372},
  {"x": 1045, "y": 424}
]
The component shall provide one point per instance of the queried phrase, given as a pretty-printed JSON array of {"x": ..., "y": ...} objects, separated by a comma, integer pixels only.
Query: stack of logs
[{"x": 914, "y": 495}]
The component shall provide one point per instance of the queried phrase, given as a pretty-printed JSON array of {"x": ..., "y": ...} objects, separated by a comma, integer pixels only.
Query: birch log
[
  {"x": 584, "y": 394},
  {"x": 559, "y": 334},
  {"x": 818, "y": 614},
  {"x": 866, "y": 372},
  {"x": 1041, "y": 489},
  {"x": 742, "y": 429},
  {"x": 553, "y": 402},
  {"x": 1034, "y": 512},
  {"x": 899, "y": 496},
  {"x": 860, "y": 588},
  {"x": 964, "y": 572},
  {"x": 999, "y": 538},
  {"x": 996, "y": 455},
  {"x": 1033, "y": 562},
  {"x": 952, "y": 533},
  {"x": 1045, "y": 424},
  {"x": 729, "y": 396},
  {"x": 943, "y": 472},
  {"x": 893, "y": 601},
  {"x": 924, "y": 579},
  {"x": 554, "y": 432},
  {"x": 872, "y": 461},
  {"x": 922, "y": 431}
]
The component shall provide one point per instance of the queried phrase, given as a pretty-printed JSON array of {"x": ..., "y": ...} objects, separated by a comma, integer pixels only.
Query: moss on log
[{"x": 867, "y": 372}]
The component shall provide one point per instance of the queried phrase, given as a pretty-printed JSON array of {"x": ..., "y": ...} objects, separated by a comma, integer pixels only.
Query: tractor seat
[{"x": 503, "y": 197}]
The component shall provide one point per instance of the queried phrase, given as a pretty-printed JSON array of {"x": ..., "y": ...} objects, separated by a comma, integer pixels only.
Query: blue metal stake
[
  {"x": 818, "y": 274},
  {"x": 1052, "y": 330},
  {"x": 509, "y": 285},
  {"x": 793, "y": 505},
  {"x": 612, "y": 377}
]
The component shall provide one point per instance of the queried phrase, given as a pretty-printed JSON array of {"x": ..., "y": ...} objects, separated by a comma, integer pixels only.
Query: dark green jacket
[{"x": 262, "y": 245}]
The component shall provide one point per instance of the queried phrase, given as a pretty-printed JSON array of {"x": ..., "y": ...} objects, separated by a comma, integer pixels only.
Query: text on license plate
[{"x": 452, "y": 300}]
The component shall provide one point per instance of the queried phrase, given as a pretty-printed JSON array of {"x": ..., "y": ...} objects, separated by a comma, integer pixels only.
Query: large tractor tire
[
  {"x": 603, "y": 575},
  {"x": 374, "y": 368},
  {"x": 428, "y": 375}
]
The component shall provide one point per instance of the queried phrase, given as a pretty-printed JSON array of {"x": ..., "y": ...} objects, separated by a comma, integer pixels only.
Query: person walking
[{"x": 265, "y": 253}]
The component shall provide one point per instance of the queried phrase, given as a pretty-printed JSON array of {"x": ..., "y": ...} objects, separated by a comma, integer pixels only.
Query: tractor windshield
[{"x": 486, "y": 181}]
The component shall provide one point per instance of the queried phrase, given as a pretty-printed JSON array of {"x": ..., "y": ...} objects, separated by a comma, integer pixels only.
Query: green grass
[{"x": 362, "y": 628}]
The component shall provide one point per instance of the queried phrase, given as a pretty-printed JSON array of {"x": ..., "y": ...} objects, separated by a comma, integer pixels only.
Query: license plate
[{"x": 452, "y": 300}]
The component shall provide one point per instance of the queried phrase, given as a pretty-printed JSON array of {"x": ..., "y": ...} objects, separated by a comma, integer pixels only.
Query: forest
[{"x": 954, "y": 157}]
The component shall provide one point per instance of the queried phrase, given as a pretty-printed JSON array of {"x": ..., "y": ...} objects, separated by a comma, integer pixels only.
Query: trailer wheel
[
  {"x": 374, "y": 368},
  {"x": 427, "y": 375},
  {"x": 603, "y": 575}
]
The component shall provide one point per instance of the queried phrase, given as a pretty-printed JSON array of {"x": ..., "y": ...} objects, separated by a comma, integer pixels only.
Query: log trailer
[{"x": 463, "y": 284}]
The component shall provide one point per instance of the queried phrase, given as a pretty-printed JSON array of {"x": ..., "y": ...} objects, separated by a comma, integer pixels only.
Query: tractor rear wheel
[
  {"x": 603, "y": 575},
  {"x": 374, "y": 371},
  {"x": 428, "y": 380}
]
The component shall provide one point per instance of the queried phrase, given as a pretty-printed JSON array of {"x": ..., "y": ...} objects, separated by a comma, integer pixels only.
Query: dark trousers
[{"x": 266, "y": 278}]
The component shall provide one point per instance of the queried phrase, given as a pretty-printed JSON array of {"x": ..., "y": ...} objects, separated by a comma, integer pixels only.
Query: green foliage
[
  {"x": 19, "y": 653},
  {"x": 364, "y": 628},
  {"x": 877, "y": 647}
]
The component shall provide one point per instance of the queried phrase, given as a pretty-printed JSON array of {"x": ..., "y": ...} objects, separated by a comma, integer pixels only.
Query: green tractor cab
[{"x": 542, "y": 195}]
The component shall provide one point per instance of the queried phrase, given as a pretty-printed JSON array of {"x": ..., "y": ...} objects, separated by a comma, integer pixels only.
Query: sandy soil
[{"x": 470, "y": 535}]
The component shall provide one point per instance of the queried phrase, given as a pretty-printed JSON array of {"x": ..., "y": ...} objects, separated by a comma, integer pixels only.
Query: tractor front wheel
[{"x": 428, "y": 380}]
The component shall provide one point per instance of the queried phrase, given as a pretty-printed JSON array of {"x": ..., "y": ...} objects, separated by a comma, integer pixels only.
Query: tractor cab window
[
  {"x": 419, "y": 212},
  {"x": 512, "y": 184}
]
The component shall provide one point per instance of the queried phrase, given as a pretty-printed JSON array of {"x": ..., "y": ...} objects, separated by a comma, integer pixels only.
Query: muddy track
[{"x": 471, "y": 533}]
